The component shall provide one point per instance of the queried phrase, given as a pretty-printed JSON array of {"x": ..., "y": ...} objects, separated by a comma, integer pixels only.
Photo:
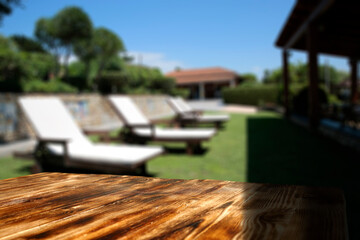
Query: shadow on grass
[
  {"x": 176, "y": 150},
  {"x": 24, "y": 170},
  {"x": 35, "y": 169},
  {"x": 282, "y": 153}
]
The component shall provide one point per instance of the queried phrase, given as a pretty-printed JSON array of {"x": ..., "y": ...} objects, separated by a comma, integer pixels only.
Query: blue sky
[{"x": 235, "y": 34}]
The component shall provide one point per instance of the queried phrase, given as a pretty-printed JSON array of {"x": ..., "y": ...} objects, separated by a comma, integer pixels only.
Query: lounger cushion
[
  {"x": 207, "y": 118},
  {"x": 179, "y": 134},
  {"x": 109, "y": 154}
]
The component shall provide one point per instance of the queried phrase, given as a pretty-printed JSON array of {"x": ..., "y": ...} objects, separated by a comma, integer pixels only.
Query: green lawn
[
  {"x": 224, "y": 157},
  {"x": 11, "y": 167},
  {"x": 261, "y": 147},
  {"x": 257, "y": 148}
]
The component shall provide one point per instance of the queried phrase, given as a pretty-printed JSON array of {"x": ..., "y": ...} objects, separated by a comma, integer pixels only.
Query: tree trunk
[
  {"x": 100, "y": 69},
  {"x": 57, "y": 63},
  {"x": 87, "y": 73},
  {"x": 66, "y": 63}
]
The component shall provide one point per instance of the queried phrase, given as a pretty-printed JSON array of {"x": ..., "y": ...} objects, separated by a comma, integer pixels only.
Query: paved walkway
[
  {"x": 218, "y": 105},
  {"x": 23, "y": 145},
  {"x": 239, "y": 109}
]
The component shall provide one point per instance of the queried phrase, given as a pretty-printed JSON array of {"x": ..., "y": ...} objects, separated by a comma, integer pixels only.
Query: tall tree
[
  {"x": 45, "y": 34},
  {"x": 85, "y": 51},
  {"x": 249, "y": 77},
  {"x": 106, "y": 45},
  {"x": 71, "y": 24}
]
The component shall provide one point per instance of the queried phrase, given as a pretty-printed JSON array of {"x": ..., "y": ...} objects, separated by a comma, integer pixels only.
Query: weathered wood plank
[{"x": 73, "y": 206}]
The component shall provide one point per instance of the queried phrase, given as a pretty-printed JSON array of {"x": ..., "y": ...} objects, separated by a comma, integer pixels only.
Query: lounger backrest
[
  {"x": 128, "y": 110},
  {"x": 50, "y": 119},
  {"x": 174, "y": 103},
  {"x": 184, "y": 106}
]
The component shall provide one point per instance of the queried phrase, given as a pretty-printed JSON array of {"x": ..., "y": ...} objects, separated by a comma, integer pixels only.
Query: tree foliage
[
  {"x": 106, "y": 46},
  {"x": 38, "y": 65},
  {"x": 84, "y": 50},
  {"x": 60, "y": 33},
  {"x": 6, "y": 7},
  {"x": 251, "y": 77},
  {"x": 70, "y": 25},
  {"x": 135, "y": 79},
  {"x": 20, "y": 67},
  {"x": 12, "y": 68},
  {"x": 248, "y": 79},
  {"x": 103, "y": 49},
  {"x": 26, "y": 64},
  {"x": 45, "y": 34},
  {"x": 27, "y": 44},
  {"x": 298, "y": 73}
]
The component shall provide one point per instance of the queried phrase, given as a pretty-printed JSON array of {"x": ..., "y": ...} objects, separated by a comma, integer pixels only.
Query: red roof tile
[{"x": 214, "y": 74}]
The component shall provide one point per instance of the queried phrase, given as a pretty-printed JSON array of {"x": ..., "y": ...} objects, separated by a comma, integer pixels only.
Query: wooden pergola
[{"x": 321, "y": 27}]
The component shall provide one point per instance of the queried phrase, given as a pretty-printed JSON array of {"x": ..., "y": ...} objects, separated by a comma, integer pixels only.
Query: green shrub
[
  {"x": 137, "y": 91},
  {"x": 38, "y": 65},
  {"x": 294, "y": 89},
  {"x": 251, "y": 95},
  {"x": 181, "y": 92},
  {"x": 162, "y": 84},
  {"x": 78, "y": 82},
  {"x": 53, "y": 86},
  {"x": 12, "y": 67},
  {"x": 333, "y": 99},
  {"x": 301, "y": 100},
  {"x": 110, "y": 80},
  {"x": 17, "y": 67}
]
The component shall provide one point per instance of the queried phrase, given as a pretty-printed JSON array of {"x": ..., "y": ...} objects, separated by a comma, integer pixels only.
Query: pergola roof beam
[{"x": 323, "y": 6}]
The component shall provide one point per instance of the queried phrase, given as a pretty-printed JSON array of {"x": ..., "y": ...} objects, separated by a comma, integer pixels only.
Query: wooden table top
[{"x": 81, "y": 206}]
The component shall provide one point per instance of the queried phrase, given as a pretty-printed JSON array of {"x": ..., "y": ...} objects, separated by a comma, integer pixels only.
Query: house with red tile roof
[{"x": 205, "y": 83}]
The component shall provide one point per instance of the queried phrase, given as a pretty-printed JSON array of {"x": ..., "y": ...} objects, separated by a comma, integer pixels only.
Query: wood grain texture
[{"x": 83, "y": 206}]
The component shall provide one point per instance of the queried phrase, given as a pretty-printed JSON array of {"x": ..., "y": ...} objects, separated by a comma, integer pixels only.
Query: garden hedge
[
  {"x": 251, "y": 95},
  {"x": 258, "y": 94}
]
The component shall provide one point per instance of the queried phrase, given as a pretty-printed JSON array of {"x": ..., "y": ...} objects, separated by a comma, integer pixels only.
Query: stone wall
[
  {"x": 89, "y": 110},
  {"x": 12, "y": 124},
  {"x": 153, "y": 106}
]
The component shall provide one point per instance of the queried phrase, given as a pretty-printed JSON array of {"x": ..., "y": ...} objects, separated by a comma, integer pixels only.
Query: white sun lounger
[
  {"x": 186, "y": 115},
  {"x": 141, "y": 127},
  {"x": 58, "y": 133}
]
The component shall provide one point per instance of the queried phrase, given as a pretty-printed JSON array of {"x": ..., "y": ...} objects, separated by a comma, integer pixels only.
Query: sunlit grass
[
  {"x": 11, "y": 167},
  {"x": 224, "y": 157}
]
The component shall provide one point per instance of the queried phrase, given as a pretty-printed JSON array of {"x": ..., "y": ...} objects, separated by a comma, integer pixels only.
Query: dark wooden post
[
  {"x": 286, "y": 82},
  {"x": 354, "y": 86},
  {"x": 314, "y": 106}
]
